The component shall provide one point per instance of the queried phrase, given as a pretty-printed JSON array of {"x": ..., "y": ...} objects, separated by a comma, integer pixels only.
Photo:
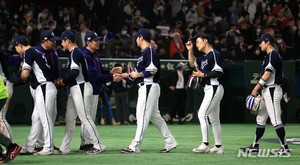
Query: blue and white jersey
[
  {"x": 52, "y": 59},
  {"x": 148, "y": 62},
  {"x": 77, "y": 69},
  {"x": 273, "y": 63},
  {"x": 38, "y": 66},
  {"x": 209, "y": 62}
]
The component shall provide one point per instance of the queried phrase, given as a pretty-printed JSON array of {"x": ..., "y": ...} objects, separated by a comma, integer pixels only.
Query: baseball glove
[
  {"x": 252, "y": 103},
  {"x": 194, "y": 82}
]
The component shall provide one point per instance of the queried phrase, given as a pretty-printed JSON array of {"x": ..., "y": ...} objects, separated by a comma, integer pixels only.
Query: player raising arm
[{"x": 210, "y": 69}]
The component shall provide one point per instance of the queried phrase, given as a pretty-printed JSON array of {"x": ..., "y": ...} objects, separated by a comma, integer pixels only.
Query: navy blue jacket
[{"x": 98, "y": 76}]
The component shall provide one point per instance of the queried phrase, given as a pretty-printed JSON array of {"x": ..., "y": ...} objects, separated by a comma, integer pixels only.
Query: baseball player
[
  {"x": 269, "y": 85},
  {"x": 12, "y": 149},
  {"x": 47, "y": 48},
  {"x": 97, "y": 76},
  {"x": 4, "y": 61},
  {"x": 146, "y": 76},
  {"x": 210, "y": 69},
  {"x": 79, "y": 98},
  {"x": 36, "y": 67}
]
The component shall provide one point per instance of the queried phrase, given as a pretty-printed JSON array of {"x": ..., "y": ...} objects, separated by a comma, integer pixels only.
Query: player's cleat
[
  {"x": 11, "y": 152},
  {"x": 168, "y": 148},
  {"x": 38, "y": 149},
  {"x": 56, "y": 151},
  {"x": 250, "y": 149},
  {"x": 283, "y": 151},
  {"x": 2, "y": 157},
  {"x": 216, "y": 150},
  {"x": 203, "y": 148},
  {"x": 24, "y": 151},
  {"x": 43, "y": 153},
  {"x": 86, "y": 147},
  {"x": 95, "y": 151},
  {"x": 127, "y": 150}
]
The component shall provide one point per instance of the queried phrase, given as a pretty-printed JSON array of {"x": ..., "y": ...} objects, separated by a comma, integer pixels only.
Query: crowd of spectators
[{"x": 232, "y": 24}]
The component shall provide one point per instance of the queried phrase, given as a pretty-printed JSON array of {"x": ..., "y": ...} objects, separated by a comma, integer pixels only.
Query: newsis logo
[{"x": 263, "y": 153}]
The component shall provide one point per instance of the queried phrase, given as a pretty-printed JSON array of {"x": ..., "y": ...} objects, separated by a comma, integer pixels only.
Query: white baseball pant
[
  {"x": 210, "y": 111},
  {"x": 146, "y": 111},
  {"x": 3, "y": 122},
  {"x": 270, "y": 106},
  {"x": 44, "y": 96},
  {"x": 79, "y": 104},
  {"x": 40, "y": 141},
  {"x": 85, "y": 137}
]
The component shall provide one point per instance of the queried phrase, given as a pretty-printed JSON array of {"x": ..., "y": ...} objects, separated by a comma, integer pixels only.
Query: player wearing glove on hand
[
  {"x": 209, "y": 68},
  {"x": 269, "y": 85}
]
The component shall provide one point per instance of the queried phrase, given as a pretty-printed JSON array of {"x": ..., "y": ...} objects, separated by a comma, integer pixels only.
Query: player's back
[{"x": 77, "y": 62}]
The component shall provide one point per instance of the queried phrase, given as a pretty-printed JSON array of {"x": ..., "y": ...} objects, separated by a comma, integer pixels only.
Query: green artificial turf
[{"x": 188, "y": 137}]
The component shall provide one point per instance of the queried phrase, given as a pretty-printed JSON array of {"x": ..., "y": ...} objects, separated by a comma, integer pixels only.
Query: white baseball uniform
[
  {"x": 209, "y": 110},
  {"x": 272, "y": 95},
  {"x": 79, "y": 101},
  {"x": 44, "y": 93},
  {"x": 147, "y": 109}
]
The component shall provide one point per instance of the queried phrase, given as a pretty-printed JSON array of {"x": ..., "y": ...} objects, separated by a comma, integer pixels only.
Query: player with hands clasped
[
  {"x": 210, "y": 69},
  {"x": 37, "y": 70},
  {"x": 79, "y": 99},
  {"x": 269, "y": 85},
  {"x": 146, "y": 76},
  {"x": 98, "y": 76}
]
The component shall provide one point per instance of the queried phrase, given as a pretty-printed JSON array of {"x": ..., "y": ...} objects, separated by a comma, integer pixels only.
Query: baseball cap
[
  {"x": 145, "y": 33},
  {"x": 68, "y": 35},
  {"x": 49, "y": 35},
  {"x": 91, "y": 35},
  {"x": 20, "y": 39},
  {"x": 200, "y": 35},
  {"x": 265, "y": 37}
]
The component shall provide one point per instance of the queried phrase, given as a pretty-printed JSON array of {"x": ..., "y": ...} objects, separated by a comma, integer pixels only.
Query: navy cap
[
  {"x": 145, "y": 33},
  {"x": 91, "y": 35},
  {"x": 49, "y": 35},
  {"x": 20, "y": 39},
  {"x": 68, "y": 35},
  {"x": 200, "y": 35},
  {"x": 265, "y": 37}
]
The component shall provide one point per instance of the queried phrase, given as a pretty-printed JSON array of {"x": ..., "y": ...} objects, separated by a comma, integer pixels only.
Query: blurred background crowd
[{"x": 232, "y": 24}]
